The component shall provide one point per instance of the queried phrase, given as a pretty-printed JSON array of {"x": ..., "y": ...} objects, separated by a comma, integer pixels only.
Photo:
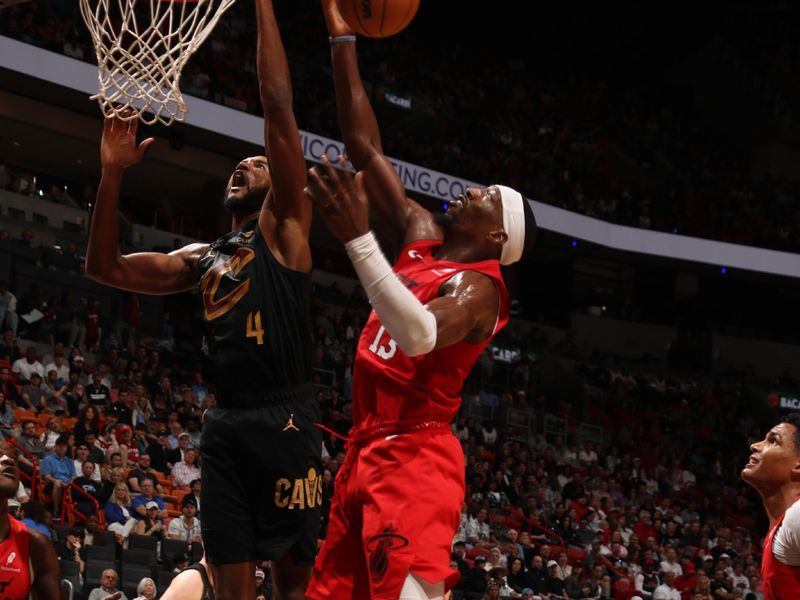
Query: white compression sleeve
[
  {"x": 406, "y": 319},
  {"x": 416, "y": 588},
  {"x": 786, "y": 543}
]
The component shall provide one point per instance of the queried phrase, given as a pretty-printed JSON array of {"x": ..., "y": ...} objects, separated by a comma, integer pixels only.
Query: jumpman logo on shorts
[{"x": 290, "y": 423}]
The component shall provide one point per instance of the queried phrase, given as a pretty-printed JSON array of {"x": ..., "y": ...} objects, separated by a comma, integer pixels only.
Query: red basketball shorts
[{"x": 395, "y": 510}]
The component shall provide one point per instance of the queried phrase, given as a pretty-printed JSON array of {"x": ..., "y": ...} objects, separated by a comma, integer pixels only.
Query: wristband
[{"x": 336, "y": 39}]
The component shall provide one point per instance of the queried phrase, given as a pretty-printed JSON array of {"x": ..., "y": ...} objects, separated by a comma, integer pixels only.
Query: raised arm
[
  {"x": 288, "y": 206},
  {"x": 468, "y": 303},
  {"x": 360, "y": 131},
  {"x": 143, "y": 272}
]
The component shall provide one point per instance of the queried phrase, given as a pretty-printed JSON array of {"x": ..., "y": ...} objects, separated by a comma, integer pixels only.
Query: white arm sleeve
[
  {"x": 406, "y": 319},
  {"x": 786, "y": 543}
]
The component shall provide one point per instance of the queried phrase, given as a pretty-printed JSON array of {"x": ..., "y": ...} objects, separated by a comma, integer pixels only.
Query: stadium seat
[
  {"x": 99, "y": 553},
  {"x": 169, "y": 548},
  {"x": 143, "y": 542},
  {"x": 138, "y": 557},
  {"x": 163, "y": 579},
  {"x": 131, "y": 576},
  {"x": 103, "y": 537},
  {"x": 197, "y": 552},
  {"x": 68, "y": 423}
]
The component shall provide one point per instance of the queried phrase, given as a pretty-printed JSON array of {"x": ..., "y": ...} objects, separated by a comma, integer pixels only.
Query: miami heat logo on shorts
[{"x": 379, "y": 546}]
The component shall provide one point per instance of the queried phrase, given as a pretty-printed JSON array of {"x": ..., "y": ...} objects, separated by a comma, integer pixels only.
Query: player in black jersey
[{"x": 261, "y": 473}]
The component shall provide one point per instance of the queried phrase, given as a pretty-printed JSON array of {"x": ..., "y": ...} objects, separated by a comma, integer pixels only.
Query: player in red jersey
[
  {"x": 399, "y": 491},
  {"x": 774, "y": 471},
  {"x": 28, "y": 562}
]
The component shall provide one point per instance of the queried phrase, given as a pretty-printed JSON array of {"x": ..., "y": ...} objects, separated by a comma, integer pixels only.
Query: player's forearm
[
  {"x": 357, "y": 120},
  {"x": 407, "y": 320},
  {"x": 102, "y": 253},
  {"x": 275, "y": 83}
]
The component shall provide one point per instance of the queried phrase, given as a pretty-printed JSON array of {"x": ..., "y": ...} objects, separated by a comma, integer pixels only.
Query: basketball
[{"x": 378, "y": 18}]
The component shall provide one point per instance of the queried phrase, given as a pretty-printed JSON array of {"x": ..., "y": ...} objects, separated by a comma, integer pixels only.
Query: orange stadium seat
[
  {"x": 21, "y": 414},
  {"x": 68, "y": 423}
]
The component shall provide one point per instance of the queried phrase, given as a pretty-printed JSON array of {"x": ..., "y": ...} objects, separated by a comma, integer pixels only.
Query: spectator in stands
[
  {"x": 35, "y": 393},
  {"x": 150, "y": 523},
  {"x": 108, "y": 587},
  {"x": 8, "y": 389},
  {"x": 114, "y": 478},
  {"x": 23, "y": 368},
  {"x": 30, "y": 444},
  {"x": 194, "y": 494},
  {"x": 98, "y": 393},
  {"x": 160, "y": 453},
  {"x": 141, "y": 472},
  {"x": 148, "y": 495},
  {"x": 91, "y": 486},
  {"x": 59, "y": 365},
  {"x": 186, "y": 527},
  {"x": 185, "y": 471},
  {"x": 71, "y": 548},
  {"x": 478, "y": 577},
  {"x": 89, "y": 529},
  {"x": 574, "y": 582},
  {"x": 9, "y": 350},
  {"x": 8, "y": 308},
  {"x": 88, "y": 420},
  {"x": 58, "y": 471},
  {"x": 81, "y": 456},
  {"x": 146, "y": 589},
  {"x": 7, "y": 419},
  {"x": 51, "y": 433},
  {"x": 142, "y": 411},
  {"x": 667, "y": 591},
  {"x": 54, "y": 400},
  {"x": 119, "y": 514}
]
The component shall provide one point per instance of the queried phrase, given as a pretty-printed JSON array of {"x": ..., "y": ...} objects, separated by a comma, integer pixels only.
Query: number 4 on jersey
[
  {"x": 254, "y": 328},
  {"x": 383, "y": 351}
]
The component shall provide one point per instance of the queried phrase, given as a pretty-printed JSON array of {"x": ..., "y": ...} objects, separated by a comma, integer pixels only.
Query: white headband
[{"x": 513, "y": 223}]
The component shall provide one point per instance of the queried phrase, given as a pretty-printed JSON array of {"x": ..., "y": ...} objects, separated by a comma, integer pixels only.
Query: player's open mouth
[
  {"x": 239, "y": 179},
  {"x": 460, "y": 201},
  {"x": 752, "y": 462}
]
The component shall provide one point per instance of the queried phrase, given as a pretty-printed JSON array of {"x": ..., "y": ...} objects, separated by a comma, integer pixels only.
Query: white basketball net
[{"x": 141, "y": 48}]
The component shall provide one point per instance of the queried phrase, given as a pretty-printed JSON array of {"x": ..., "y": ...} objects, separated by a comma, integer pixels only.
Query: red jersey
[
  {"x": 779, "y": 581},
  {"x": 15, "y": 574},
  {"x": 389, "y": 385}
]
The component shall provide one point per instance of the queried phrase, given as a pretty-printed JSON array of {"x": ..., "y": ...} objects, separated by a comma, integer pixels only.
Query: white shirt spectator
[
  {"x": 666, "y": 592},
  {"x": 79, "y": 470},
  {"x": 179, "y": 530},
  {"x": 671, "y": 567},
  {"x": 25, "y": 369},
  {"x": 62, "y": 371}
]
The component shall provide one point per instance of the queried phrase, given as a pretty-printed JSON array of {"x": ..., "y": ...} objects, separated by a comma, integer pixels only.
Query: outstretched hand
[
  {"x": 118, "y": 147},
  {"x": 339, "y": 198},
  {"x": 333, "y": 18}
]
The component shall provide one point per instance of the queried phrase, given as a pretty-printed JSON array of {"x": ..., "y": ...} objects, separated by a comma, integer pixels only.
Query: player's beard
[{"x": 248, "y": 203}]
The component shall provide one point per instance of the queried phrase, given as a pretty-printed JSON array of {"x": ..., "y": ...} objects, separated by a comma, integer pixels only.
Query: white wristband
[{"x": 406, "y": 319}]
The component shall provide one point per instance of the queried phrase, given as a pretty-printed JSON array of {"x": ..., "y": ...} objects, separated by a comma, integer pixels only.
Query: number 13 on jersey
[{"x": 384, "y": 351}]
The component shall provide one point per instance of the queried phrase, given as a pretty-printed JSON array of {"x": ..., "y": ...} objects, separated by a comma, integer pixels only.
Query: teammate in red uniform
[
  {"x": 398, "y": 494},
  {"x": 28, "y": 562},
  {"x": 774, "y": 471}
]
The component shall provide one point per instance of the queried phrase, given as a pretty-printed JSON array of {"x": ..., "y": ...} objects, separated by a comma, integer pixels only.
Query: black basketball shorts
[{"x": 262, "y": 482}]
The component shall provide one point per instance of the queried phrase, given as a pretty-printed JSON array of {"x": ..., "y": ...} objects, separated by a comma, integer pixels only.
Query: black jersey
[{"x": 257, "y": 317}]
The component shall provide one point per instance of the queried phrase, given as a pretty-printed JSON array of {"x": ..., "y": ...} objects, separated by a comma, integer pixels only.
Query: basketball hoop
[{"x": 141, "y": 48}]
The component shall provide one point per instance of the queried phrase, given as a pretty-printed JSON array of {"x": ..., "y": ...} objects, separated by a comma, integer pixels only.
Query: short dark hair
[
  {"x": 27, "y": 422},
  {"x": 794, "y": 420}
]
